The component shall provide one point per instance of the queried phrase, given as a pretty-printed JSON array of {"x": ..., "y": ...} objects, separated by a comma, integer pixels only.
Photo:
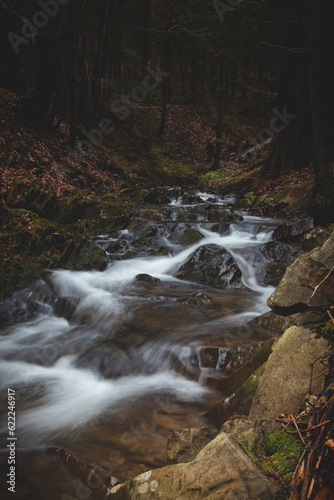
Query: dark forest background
[{"x": 74, "y": 60}]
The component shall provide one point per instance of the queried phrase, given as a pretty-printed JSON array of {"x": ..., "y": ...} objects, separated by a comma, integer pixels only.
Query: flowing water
[{"x": 107, "y": 364}]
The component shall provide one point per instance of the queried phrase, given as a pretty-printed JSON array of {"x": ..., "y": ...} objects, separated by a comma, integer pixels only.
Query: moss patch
[
  {"x": 283, "y": 452},
  {"x": 212, "y": 177}
]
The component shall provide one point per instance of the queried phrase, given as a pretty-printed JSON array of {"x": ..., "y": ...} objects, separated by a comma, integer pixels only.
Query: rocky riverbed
[{"x": 163, "y": 331}]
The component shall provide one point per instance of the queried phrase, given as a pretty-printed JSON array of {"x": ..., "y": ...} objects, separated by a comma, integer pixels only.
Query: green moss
[
  {"x": 43, "y": 201},
  {"x": 191, "y": 237},
  {"x": 34, "y": 234},
  {"x": 260, "y": 200},
  {"x": 110, "y": 198},
  {"x": 84, "y": 256},
  {"x": 282, "y": 455},
  {"x": 33, "y": 244},
  {"x": 326, "y": 330},
  {"x": 248, "y": 453},
  {"x": 216, "y": 175},
  {"x": 141, "y": 194},
  {"x": 148, "y": 233},
  {"x": 72, "y": 209},
  {"x": 284, "y": 449},
  {"x": 283, "y": 452},
  {"x": 167, "y": 171},
  {"x": 177, "y": 173}
]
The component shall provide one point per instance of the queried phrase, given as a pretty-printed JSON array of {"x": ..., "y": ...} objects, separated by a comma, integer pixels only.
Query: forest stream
[{"x": 107, "y": 364}]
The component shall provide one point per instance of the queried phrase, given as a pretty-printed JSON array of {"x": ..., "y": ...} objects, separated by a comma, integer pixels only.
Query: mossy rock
[
  {"x": 72, "y": 209},
  {"x": 260, "y": 200},
  {"x": 42, "y": 201},
  {"x": 243, "y": 203},
  {"x": 111, "y": 210},
  {"x": 149, "y": 233},
  {"x": 251, "y": 197},
  {"x": 84, "y": 256},
  {"x": 191, "y": 237},
  {"x": 141, "y": 194},
  {"x": 32, "y": 234},
  {"x": 16, "y": 275},
  {"x": 105, "y": 217},
  {"x": 32, "y": 245}
]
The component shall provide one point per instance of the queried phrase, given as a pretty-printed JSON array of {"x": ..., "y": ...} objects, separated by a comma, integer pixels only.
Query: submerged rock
[
  {"x": 211, "y": 265},
  {"x": 146, "y": 278},
  {"x": 184, "y": 445},
  {"x": 107, "y": 360},
  {"x": 220, "y": 470}
]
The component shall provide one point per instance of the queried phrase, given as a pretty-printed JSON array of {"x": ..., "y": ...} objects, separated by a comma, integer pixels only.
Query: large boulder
[
  {"x": 297, "y": 196},
  {"x": 291, "y": 371},
  {"x": 211, "y": 265},
  {"x": 294, "y": 230},
  {"x": 307, "y": 283},
  {"x": 274, "y": 257},
  {"x": 220, "y": 470}
]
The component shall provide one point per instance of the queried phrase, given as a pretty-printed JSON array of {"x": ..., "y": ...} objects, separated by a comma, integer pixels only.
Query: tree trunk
[
  {"x": 72, "y": 46},
  {"x": 321, "y": 39},
  {"x": 100, "y": 66},
  {"x": 167, "y": 68},
  {"x": 147, "y": 32},
  {"x": 220, "y": 120},
  {"x": 292, "y": 136}
]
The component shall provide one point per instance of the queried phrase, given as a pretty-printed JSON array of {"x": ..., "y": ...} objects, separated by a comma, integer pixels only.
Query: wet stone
[
  {"x": 211, "y": 265},
  {"x": 146, "y": 278}
]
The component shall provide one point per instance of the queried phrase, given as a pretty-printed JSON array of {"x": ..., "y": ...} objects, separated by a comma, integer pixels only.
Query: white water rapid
[{"x": 100, "y": 345}]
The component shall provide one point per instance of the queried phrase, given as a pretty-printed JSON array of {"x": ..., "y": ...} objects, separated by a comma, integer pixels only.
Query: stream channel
[{"x": 107, "y": 364}]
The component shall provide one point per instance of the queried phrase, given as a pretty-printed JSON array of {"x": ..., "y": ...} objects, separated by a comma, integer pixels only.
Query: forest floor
[{"x": 137, "y": 157}]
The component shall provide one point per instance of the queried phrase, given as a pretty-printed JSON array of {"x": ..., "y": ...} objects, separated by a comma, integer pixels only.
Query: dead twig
[
  {"x": 331, "y": 317},
  {"x": 319, "y": 285},
  {"x": 295, "y": 424}
]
